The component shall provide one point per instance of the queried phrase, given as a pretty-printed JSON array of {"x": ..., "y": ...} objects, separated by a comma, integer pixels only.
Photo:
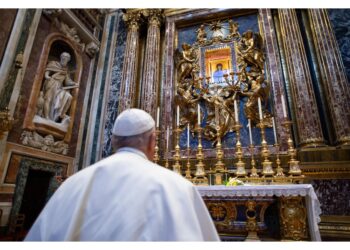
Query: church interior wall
[
  {"x": 7, "y": 19},
  {"x": 340, "y": 21},
  {"x": 38, "y": 26},
  {"x": 116, "y": 76},
  {"x": 98, "y": 99}
]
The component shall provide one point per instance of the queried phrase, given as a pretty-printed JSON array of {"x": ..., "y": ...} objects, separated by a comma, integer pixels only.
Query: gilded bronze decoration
[
  {"x": 218, "y": 89},
  {"x": 6, "y": 121},
  {"x": 200, "y": 175},
  {"x": 177, "y": 156},
  {"x": 293, "y": 218}
]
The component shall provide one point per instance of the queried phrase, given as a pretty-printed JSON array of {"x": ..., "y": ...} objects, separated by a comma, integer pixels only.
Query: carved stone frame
[{"x": 30, "y": 113}]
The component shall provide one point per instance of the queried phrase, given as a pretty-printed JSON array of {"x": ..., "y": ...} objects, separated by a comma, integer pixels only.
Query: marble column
[
  {"x": 303, "y": 96},
  {"x": 10, "y": 52},
  {"x": 333, "y": 74},
  {"x": 276, "y": 72},
  {"x": 150, "y": 79},
  {"x": 129, "y": 75},
  {"x": 168, "y": 108}
]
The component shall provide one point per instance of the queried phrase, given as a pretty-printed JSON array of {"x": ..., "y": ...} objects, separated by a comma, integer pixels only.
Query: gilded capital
[
  {"x": 133, "y": 19},
  {"x": 155, "y": 16}
]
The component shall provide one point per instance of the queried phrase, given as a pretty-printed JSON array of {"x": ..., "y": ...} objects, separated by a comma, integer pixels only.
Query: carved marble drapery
[
  {"x": 333, "y": 73},
  {"x": 129, "y": 75},
  {"x": 150, "y": 80},
  {"x": 308, "y": 122}
]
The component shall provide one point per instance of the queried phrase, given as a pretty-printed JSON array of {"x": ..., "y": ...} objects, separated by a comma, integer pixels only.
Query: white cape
[{"x": 125, "y": 197}]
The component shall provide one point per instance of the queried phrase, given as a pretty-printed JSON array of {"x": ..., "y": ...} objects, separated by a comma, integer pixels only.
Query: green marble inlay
[
  {"x": 35, "y": 164},
  {"x": 6, "y": 92}
]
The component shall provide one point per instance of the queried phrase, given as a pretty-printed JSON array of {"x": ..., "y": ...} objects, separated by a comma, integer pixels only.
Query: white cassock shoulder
[
  {"x": 125, "y": 198},
  {"x": 178, "y": 211}
]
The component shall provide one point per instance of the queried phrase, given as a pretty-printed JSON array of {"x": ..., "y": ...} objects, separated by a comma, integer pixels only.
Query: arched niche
[{"x": 61, "y": 129}]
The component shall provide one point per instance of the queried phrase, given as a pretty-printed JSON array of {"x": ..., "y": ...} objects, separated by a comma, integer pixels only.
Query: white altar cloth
[{"x": 306, "y": 190}]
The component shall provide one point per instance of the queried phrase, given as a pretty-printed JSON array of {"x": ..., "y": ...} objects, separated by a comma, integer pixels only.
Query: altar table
[{"x": 298, "y": 208}]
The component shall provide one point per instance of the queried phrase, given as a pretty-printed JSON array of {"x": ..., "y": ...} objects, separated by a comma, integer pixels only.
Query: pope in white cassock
[{"x": 126, "y": 197}]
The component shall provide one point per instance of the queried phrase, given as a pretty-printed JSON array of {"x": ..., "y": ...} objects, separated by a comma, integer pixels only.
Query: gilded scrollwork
[
  {"x": 221, "y": 88},
  {"x": 293, "y": 218}
]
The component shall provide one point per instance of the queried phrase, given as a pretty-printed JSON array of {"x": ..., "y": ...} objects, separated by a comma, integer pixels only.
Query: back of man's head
[{"x": 134, "y": 128}]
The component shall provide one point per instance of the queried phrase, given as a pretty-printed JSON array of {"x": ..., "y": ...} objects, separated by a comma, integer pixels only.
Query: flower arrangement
[{"x": 234, "y": 182}]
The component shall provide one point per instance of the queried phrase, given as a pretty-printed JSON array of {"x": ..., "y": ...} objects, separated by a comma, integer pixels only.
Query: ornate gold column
[
  {"x": 150, "y": 79},
  {"x": 128, "y": 83},
  {"x": 333, "y": 74},
  {"x": 308, "y": 120}
]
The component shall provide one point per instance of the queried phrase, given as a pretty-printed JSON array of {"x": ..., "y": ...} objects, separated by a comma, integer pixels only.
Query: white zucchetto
[{"x": 132, "y": 122}]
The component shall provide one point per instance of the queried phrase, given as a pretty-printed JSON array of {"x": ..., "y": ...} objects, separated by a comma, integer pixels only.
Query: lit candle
[
  {"x": 260, "y": 110},
  {"x": 236, "y": 111},
  {"x": 158, "y": 117},
  {"x": 167, "y": 138},
  {"x": 284, "y": 107},
  {"x": 250, "y": 132},
  {"x": 199, "y": 114},
  {"x": 188, "y": 135},
  {"x": 178, "y": 115},
  {"x": 274, "y": 129}
]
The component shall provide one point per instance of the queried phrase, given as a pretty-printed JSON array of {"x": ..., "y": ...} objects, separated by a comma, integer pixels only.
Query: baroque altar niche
[
  {"x": 50, "y": 115},
  {"x": 221, "y": 71}
]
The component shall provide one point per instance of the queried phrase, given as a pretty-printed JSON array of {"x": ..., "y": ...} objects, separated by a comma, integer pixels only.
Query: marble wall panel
[
  {"x": 334, "y": 196},
  {"x": 45, "y": 28},
  {"x": 340, "y": 20},
  {"x": 7, "y": 18},
  {"x": 117, "y": 68}
]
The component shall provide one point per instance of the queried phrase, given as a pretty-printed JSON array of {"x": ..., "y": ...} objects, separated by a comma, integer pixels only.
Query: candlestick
[
  {"x": 167, "y": 138},
  {"x": 240, "y": 165},
  {"x": 199, "y": 114},
  {"x": 260, "y": 110},
  {"x": 294, "y": 168},
  {"x": 274, "y": 129},
  {"x": 279, "y": 169},
  {"x": 217, "y": 121},
  {"x": 188, "y": 135},
  {"x": 177, "y": 116},
  {"x": 267, "y": 165},
  {"x": 250, "y": 132},
  {"x": 236, "y": 111},
  {"x": 253, "y": 171},
  {"x": 284, "y": 107},
  {"x": 167, "y": 148},
  {"x": 219, "y": 166},
  {"x": 177, "y": 166},
  {"x": 156, "y": 148},
  {"x": 158, "y": 117},
  {"x": 200, "y": 176},
  {"x": 188, "y": 166}
]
